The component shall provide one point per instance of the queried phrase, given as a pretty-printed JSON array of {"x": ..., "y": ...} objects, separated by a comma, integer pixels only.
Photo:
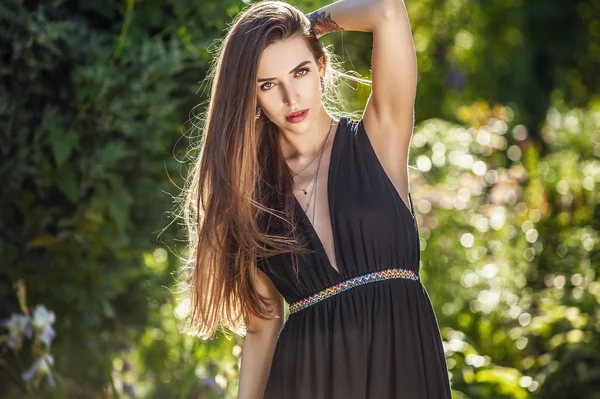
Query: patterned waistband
[{"x": 351, "y": 283}]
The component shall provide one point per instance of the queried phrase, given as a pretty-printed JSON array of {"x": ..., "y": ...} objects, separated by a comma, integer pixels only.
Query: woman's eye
[
  {"x": 304, "y": 69},
  {"x": 264, "y": 87}
]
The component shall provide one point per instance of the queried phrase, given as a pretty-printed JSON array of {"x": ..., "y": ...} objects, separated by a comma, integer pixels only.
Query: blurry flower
[
  {"x": 22, "y": 326},
  {"x": 29, "y": 374},
  {"x": 211, "y": 383},
  {"x": 14, "y": 341},
  {"x": 41, "y": 368},
  {"x": 43, "y": 320},
  {"x": 19, "y": 323},
  {"x": 42, "y": 317},
  {"x": 47, "y": 335},
  {"x": 128, "y": 389},
  {"x": 456, "y": 79},
  {"x": 18, "y": 326}
]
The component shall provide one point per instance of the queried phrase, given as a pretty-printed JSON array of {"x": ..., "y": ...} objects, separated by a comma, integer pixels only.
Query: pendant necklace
[
  {"x": 316, "y": 176},
  {"x": 318, "y": 156}
]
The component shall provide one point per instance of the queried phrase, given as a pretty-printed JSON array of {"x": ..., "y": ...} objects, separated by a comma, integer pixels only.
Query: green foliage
[
  {"x": 84, "y": 143},
  {"x": 510, "y": 242},
  {"x": 519, "y": 53}
]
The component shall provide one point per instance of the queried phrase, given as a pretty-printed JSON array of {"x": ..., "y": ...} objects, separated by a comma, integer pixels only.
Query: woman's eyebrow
[{"x": 292, "y": 71}]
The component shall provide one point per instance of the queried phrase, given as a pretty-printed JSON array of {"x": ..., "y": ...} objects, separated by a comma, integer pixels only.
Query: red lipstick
[{"x": 297, "y": 116}]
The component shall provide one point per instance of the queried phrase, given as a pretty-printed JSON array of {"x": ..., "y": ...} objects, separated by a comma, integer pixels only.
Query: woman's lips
[{"x": 298, "y": 117}]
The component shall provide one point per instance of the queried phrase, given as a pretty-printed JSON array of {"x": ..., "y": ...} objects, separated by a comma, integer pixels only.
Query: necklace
[
  {"x": 318, "y": 156},
  {"x": 316, "y": 177},
  {"x": 304, "y": 168}
]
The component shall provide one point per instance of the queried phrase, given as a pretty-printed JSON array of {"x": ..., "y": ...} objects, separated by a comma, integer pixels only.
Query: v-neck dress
[{"x": 376, "y": 340}]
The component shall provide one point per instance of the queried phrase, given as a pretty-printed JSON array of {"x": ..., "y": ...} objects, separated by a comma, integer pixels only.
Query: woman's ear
[{"x": 321, "y": 66}]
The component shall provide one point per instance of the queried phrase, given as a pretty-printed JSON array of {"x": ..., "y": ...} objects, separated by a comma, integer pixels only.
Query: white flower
[
  {"x": 42, "y": 317},
  {"x": 41, "y": 367},
  {"x": 44, "y": 362},
  {"x": 17, "y": 324},
  {"x": 47, "y": 335}
]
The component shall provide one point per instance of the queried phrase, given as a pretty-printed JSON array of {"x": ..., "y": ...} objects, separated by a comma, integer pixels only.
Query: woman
[{"x": 288, "y": 204}]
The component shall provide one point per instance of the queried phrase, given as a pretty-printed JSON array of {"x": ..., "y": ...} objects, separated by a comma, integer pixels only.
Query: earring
[
  {"x": 258, "y": 113},
  {"x": 322, "y": 84}
]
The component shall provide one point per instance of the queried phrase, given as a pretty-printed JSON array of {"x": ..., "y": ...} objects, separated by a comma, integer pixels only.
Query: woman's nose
[{"x": 290, "y": 96}]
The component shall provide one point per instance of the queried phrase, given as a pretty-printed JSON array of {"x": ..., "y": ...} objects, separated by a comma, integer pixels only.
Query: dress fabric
[{"x": 377, "y": 340}]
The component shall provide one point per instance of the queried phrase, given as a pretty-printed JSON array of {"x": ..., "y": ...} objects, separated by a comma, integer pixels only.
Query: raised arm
[
  {"x": 389, "y": 113},
  {"x": 394, "y": 62}
]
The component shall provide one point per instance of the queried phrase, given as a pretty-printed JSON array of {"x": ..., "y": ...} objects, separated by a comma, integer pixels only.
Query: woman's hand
[
  {"x": 354, "y": 15},
  {"x": 321, "y": 23}
]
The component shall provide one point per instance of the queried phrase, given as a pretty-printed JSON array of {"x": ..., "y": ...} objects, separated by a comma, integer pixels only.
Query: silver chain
[
  {"x": 320, "y": 155},
  {"x": 316, "y": 176},
  {"x": 310, "y": 163}
]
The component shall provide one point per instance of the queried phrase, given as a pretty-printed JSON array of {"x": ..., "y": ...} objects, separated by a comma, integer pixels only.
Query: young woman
[{"x": 287, "y": 203}]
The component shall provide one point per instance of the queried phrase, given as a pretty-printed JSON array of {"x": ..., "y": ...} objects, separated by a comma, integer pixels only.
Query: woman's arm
[
  {"x": 356, "y": 15},
  {"x": 394, "y": 62},
  {"x": 258, "y": 348},
  {"x": 389, "y": 113}
]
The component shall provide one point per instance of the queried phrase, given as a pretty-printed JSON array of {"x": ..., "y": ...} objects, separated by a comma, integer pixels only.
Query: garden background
[{"x": 98, "y": 100}]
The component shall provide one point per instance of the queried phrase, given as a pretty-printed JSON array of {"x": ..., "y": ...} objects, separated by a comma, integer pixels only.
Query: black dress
[{"x": 376, "y": 340}]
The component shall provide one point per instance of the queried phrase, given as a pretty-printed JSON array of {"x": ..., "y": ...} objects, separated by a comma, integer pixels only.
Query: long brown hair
[{"x": 240, "y": 186}]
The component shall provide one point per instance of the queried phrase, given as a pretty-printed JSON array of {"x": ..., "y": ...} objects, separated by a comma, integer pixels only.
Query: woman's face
[{"x": 289, "y": 81}]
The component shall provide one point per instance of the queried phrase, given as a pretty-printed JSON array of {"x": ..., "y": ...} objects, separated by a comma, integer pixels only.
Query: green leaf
[
  {"x": 108, "y": 310},
  {"x": 62, "y": 143},
  {"x": 66, "y": 182}
]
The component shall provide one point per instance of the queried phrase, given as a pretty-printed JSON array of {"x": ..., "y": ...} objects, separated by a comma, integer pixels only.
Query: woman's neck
[{"x": 299, "y": 147}]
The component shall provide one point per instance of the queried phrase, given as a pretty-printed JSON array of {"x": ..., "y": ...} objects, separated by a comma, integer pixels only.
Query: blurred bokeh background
[{"x": 97, "y": 111}]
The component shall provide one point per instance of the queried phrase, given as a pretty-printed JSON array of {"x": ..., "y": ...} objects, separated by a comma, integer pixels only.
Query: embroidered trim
[{"x": 353, "y": 282}]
